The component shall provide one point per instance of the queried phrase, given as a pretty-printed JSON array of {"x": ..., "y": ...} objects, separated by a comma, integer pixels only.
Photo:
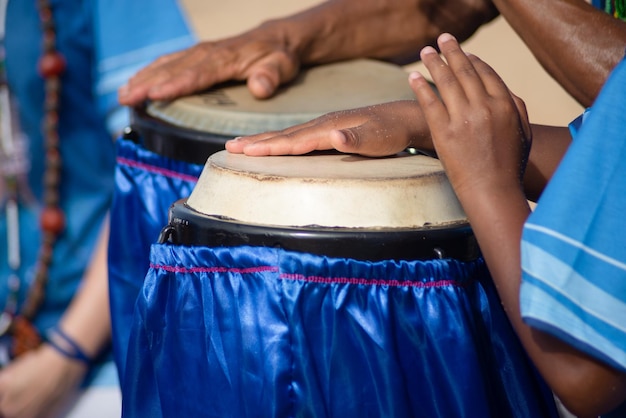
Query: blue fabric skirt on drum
[
  {"x": 264, "y": 332},
  {"x": 146, "y": 185}
]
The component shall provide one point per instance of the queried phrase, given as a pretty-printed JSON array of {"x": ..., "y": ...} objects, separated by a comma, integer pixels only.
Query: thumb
[
  {"x": 266, "y": 75},
  {"x": 368, "y": 142},
  {"x": 263, "y": 84}
]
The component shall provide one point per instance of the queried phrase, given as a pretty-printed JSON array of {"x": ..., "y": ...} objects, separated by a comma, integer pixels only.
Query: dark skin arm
[
  {"x": 577, "y": 44},
  {"x": 272, "y": 53},
  {"x": 481, "y": 133}
]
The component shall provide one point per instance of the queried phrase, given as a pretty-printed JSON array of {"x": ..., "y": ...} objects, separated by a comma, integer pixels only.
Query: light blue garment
[
  {"x": 574, "y": 244},
  {"x": 103, "y": 42},
  {"x": 129, "y": 35}
]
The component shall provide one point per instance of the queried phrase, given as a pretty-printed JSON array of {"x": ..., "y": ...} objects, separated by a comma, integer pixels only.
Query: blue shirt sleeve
[
  {"x": 128, "y": 36},
  {"x": 574, "y": 243}
]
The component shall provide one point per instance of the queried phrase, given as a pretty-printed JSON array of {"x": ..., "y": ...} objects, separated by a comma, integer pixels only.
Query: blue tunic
[{"x": 103, "y": 42}]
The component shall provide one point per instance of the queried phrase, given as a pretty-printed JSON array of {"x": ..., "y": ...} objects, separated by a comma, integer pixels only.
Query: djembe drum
[
  {"x": 162, "y": 154},
  {"x": 327, "y": 285}
]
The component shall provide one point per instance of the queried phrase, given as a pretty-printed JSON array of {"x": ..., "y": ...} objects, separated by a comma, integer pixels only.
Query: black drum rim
[
  {"x": 172, "y": 141},
  {"x": 189, "y": 227}
]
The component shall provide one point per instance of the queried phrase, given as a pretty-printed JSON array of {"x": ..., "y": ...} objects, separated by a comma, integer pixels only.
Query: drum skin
[{"x": 401, "y": 207}]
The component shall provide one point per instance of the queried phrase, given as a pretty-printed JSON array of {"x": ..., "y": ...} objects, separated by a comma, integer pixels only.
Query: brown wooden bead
[
  {"x": 25, "y": 336},
  {"x": 52, "y": 219},
  {"x": 53, "y": 158},
  {"x": 51, "y": 64}
]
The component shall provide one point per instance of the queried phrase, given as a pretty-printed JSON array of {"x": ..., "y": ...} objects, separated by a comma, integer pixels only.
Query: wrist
[
  {"x": 298, "y": 35},
  {"x": 67, "y": 347}
]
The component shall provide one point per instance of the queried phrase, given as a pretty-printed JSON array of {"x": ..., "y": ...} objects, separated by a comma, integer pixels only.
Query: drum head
[
  {"x": 400, "y": 207},
  {"x": 185, "y": 127},
  {"x": 328, "y": 190},
  {"x": 232, "y": 111}
]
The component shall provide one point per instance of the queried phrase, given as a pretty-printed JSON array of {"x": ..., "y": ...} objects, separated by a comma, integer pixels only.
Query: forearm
[
  {"x": 576, "y": 43},
  {"x": 87, "y": 320},
  {"x": 585, "y": 385},
  {"x": 548, "y": 147},
  {"x": 391, "y": 30}
]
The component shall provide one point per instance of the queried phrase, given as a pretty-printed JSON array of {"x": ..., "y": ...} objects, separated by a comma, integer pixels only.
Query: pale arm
[{"x": 25, "y": 391}]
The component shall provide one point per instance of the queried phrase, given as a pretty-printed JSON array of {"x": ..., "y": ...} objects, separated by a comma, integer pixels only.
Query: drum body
[
  {"x": 163, "y": 153},
  {"x": 375, "y": 309}
]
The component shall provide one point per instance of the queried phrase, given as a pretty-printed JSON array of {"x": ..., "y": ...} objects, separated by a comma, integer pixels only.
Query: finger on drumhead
[
  {"x": 279, "y": 144},
  {"x": 265, "y": 76},
  {"x": 364, "y": 140},
  {"x": 236, "y": 145},
  {"x": 262, "y": 85},
  {"x": 349, "y": 141},
  {"x": 139, "y": 86}
]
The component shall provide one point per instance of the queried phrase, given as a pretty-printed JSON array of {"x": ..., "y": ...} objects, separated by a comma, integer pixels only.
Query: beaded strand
[{"x": 51, "y": 66}]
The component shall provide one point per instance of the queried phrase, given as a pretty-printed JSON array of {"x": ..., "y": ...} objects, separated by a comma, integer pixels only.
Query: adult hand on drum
[
  {"x": 379, "y": 130},
  {"x": 265, "y": 63},
  {"x": 480, "y": 129},
  {"x": 331, "y": 31}
]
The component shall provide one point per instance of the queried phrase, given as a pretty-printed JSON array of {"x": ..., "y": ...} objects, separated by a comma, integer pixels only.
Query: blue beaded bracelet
[{"x": 69, "y": 349}]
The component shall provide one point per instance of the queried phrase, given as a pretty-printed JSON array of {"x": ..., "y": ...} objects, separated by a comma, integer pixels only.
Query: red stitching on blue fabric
[
  {"x": 157, "y": 170},
  {"x": 311, "y": 279},
  {"x": 370, "y": 282},
  {"x": 177, "y": 269}
]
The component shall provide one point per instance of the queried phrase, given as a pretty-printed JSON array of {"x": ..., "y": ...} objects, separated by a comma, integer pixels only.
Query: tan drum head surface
[
  {"x": 329, "y": 190},
  {"x": 232, "y": 111}
]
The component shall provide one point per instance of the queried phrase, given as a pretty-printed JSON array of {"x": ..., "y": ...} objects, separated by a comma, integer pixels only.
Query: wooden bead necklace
[{"x": 51, "y": 66}]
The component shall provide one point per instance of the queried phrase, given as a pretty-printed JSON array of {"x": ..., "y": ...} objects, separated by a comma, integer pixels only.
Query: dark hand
[
  {"x": 264, "y": 63},
  {"x": 480, "y": 130},
  {"x": 380, "y": 130}
]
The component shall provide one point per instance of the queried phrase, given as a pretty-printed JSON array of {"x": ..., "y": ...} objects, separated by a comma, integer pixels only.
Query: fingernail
[
  {"x": 415, "y": 75},
  {"x": 123, "y": 91},
  {"x": 445, "y": 37},
  {"x": 428, "y": 50},
  {"x": 265, "y": 84}
]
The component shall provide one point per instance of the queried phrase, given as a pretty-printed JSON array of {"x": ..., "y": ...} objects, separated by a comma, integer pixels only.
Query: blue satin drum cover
[
  {"x": 161, "y": 156},
  {"x": 324, "y": 285}
]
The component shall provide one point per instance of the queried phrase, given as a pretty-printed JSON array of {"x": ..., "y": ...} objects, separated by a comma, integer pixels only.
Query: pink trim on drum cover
[
  {"x": 175, "y": 269},
  {"x": 157, "y": 170},
  {"x": 312, "y": 279},
  {"x": 371, "y": 282}
]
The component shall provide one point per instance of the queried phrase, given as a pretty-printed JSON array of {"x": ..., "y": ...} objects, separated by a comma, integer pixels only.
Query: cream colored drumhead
[
  {"x": 232, "y": 111},
  {"x": 329, "y": 190}
]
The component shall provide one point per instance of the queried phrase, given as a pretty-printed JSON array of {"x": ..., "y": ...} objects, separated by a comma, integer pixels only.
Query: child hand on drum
[{"x": 481, "y": 133}]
